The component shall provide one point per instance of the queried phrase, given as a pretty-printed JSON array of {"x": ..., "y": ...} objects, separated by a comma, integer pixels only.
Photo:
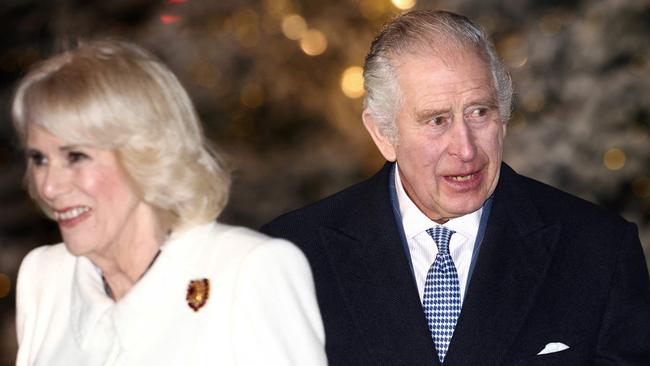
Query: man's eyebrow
[
  {"x": 429, "y": 112},
  {"x": 489, "y": 102}
]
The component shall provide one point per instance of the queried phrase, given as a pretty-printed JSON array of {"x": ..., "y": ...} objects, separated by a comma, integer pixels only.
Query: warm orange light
[
  {"x": 294, "y": 26},
  {"x": 313, "y": 42},
  {"x": 5, "y": 285},
  {"x": 614, "y": 159},
  {"x": 245, "y": 23},
  {"x": 252, "y": 96},
  {"x": 170, "y": 19},
  {"x": 352, "y": 82},
  {"x": 276, "y": 8},
  {"x": 404, "y": 4},
  {"x": 373, "y": 9}
]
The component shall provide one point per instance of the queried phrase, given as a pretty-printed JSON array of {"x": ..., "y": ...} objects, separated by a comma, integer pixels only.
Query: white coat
[{"x": 261, "y": 307}]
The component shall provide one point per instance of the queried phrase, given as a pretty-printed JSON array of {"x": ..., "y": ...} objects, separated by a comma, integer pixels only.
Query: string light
[
  {"x": 313, "y": 43},
  {"x": 252, "y": 96},
  {"x": 294, "y": 26},
  {"x": 404, "y": 4},
  {"x": 352, "y": 82},
  {"x": 614, "y": 159}
]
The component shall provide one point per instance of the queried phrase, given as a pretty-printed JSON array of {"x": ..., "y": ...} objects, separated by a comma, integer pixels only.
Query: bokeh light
[
  {"x": 533, "y": 101},
  {"x": 276, "y": 7},
  {"x": 170, "y": 19},
  {"x": 373, "y": 9},
  {"x": 207, "y": 75},
  {"x": 404, "y": 4},
  {"x": 246, "y": 27},
  {"x": 313, "y": 42},
  {"x": 252, "y": 95},
  {"x": 513, "y": 51},
  {"x": 352, "y": 82},
  {"x": 614, "y": 159},
  {"x": 294, "y": 26},
  {"x": 5, "y": 285}
]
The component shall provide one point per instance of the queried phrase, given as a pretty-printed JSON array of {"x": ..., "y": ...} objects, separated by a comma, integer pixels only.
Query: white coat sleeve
[
  {"x": 276, "y": 320},
  {"x": 27, "y": 286}
]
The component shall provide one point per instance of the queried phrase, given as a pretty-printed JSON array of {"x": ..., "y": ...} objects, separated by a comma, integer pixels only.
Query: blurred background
[{"x": 279, "y": 88}]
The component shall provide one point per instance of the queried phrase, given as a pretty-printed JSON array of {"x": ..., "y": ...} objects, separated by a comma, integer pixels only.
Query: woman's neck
[{"x": 128, "y": 259}]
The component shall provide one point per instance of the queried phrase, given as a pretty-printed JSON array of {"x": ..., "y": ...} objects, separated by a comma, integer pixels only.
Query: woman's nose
[{"x": 55, "y": 182}]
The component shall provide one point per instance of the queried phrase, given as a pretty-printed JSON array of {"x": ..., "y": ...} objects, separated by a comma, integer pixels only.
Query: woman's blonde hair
[{"x": 115, "y": 95}]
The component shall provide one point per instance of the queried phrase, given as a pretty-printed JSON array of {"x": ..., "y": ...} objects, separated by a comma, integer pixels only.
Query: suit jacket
[
  {"x": 261, "y": 307},
  {"x": 551, "y": 268}
]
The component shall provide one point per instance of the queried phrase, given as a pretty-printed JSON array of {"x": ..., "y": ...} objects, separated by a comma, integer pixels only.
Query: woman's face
[{"x": 88, "y": 192}]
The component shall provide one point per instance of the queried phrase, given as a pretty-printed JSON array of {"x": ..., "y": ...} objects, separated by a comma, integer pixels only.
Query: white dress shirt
[
  {"x": 261, "y": 307},
  {"x": 423, "y": 249}
]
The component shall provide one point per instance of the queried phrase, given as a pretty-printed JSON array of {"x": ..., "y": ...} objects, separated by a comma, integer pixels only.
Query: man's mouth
[{"x": 461, "y": 178}]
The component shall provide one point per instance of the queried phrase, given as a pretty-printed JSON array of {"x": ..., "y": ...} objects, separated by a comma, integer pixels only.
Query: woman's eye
[
  {"x": 76, "y": 156},
  {"x": 36, "y": 158}
]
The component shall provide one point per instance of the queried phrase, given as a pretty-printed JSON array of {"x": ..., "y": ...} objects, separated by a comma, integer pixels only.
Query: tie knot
[{"x": 441, "y": 236}]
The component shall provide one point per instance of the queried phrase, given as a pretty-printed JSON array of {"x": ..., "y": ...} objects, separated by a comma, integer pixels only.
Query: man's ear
[{"x": 383, "y": 143}]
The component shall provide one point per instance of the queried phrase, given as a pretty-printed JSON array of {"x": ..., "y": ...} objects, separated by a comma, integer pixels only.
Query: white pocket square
[{"x": 553, "y": 347}]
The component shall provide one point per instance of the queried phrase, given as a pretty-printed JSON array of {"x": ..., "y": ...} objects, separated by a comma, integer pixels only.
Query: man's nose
[{"x": 462, "y": 144}]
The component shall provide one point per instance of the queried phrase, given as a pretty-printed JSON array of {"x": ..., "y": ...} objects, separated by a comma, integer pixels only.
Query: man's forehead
[
  {"x": 427, "y": 70},
  {"x": 447, "y": 54}
]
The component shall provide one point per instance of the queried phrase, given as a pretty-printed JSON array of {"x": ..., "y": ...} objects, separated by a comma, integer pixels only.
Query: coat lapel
[
  {"x": 512, "y": 263},
  {"x": 372, "y": 270}
]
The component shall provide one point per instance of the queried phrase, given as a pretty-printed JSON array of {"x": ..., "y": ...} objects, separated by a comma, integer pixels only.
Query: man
[{"x": 446, "y": 254}]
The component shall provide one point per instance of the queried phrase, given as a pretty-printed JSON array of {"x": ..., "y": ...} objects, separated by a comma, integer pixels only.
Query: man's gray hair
[{"x": 409, "y": 33}]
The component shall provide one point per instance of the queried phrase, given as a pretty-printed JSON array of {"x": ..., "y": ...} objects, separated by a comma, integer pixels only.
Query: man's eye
[
  {"x": 437, "y": 121},
  {"x": 36, "y": 158},
  {"x": 75, "y": 156},
  {"x": 478, "y": 112}
]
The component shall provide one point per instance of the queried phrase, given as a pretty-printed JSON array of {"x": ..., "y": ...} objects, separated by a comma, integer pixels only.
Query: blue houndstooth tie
[{"x": 441, "y": 300}]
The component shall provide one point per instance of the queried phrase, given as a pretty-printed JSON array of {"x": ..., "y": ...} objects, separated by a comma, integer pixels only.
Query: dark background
[{"x": 582, "y": 110}]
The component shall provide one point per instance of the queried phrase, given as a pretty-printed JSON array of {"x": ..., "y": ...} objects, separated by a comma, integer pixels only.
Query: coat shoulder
[
  {"x": 354, "y": 201},
  {"x": 557, "y": 205},
  {"x": 44, "y": 263}
]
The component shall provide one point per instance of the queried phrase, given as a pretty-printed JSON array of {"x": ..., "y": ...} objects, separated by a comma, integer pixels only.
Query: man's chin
[{"x": 465, "y": 207}]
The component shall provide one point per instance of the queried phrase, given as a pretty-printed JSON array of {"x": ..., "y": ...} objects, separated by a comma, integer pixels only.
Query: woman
[{"x": 144, "y": 275}]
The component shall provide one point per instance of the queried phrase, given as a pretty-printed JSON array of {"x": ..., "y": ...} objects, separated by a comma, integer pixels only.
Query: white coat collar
[{"x": 159, "y": 293}]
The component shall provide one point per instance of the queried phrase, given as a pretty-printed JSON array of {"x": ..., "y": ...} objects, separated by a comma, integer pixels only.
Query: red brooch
[{"x": 198, "y": 292}]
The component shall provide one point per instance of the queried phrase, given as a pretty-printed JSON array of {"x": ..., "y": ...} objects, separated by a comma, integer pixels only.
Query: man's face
[{"x": 450, "y": 135}]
